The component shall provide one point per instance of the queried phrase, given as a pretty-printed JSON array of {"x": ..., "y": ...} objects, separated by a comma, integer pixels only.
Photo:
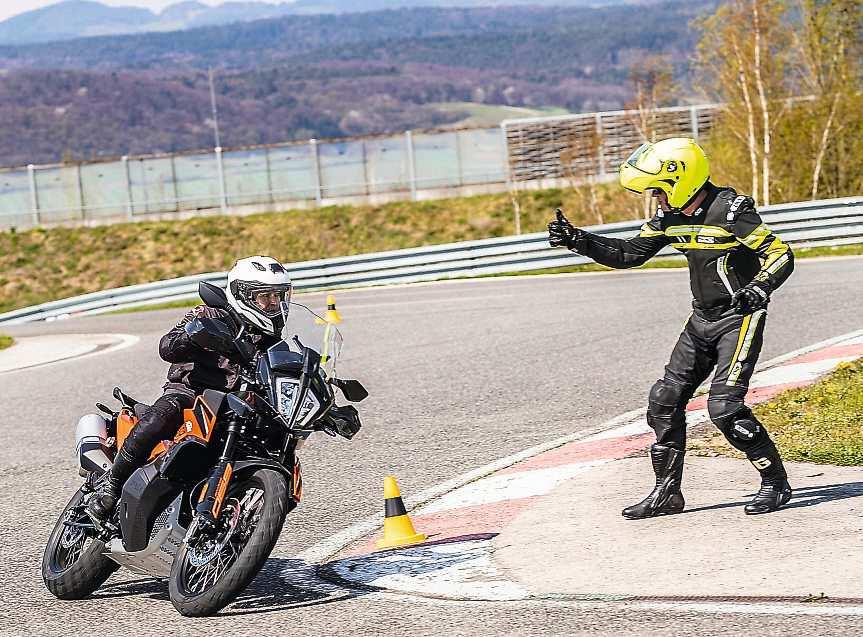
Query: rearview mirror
[
  {"x": 352, "y": 389},
  {"x": 212, "y": 295}
]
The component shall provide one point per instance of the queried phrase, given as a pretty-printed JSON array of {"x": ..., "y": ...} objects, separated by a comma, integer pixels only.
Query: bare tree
[{"x": 828, "y": 67}]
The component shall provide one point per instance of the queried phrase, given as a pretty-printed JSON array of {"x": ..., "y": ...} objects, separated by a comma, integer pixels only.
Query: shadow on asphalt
[
  {"x": 803, "y": 497},
  {"x": 282, "y": 584}
]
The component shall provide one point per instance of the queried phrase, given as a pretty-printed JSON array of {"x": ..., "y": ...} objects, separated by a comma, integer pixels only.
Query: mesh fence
[{"x": 574, "y": 146}]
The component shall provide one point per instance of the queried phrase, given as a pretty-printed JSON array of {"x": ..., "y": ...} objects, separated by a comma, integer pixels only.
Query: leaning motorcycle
[{"x": 207, "y": 509}]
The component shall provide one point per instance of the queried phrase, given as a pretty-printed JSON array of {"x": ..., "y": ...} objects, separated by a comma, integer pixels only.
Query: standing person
[{"x": 735, "y": 264}]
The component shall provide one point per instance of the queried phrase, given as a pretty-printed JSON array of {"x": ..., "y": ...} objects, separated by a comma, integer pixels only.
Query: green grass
[
  {"x": 493, "y": 114},
  {"x": 53, "y": 263},
  {"x": 822, "y": 423},
  {"x": 6, "y": 341},
  {"x": 46, "y": 264}
]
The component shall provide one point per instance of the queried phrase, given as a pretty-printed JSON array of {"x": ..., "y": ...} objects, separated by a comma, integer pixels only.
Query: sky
[{"x": 9, "y": 8}]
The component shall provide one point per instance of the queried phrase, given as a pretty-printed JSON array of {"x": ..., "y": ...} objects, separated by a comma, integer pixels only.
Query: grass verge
[
  {"x": 822, "y": 423},
  {"x": 53, "y": 263},
  {"x": 6, "y": 341}
]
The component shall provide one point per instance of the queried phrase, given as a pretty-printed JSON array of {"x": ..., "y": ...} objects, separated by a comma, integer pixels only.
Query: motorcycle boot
[
  {"x": 666, "y": 498},
  {"x": 102, "y": 505},
  {"x": 775, "y": 490}
]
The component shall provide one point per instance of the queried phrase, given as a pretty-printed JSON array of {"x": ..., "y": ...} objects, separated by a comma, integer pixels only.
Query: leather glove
[
  {"x": 210, "y": 334},
  {"x": 561, "y": 233},
  {"x": 344, "y": 421},
  {"x": 750, "y": 298}
]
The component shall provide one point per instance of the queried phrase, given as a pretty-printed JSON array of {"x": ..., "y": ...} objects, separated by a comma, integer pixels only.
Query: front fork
[{"x": 213, "y": 494}]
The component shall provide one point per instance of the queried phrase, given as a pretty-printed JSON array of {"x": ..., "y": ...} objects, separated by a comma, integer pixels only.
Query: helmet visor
[
  {"x": 644, "y": 158},
  {"x": 268, "y": 299}
]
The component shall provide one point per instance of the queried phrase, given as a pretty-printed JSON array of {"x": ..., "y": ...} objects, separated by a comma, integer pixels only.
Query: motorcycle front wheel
[
  {"x": 74, "y": 564},
  {"x": 213, "y": 567}
]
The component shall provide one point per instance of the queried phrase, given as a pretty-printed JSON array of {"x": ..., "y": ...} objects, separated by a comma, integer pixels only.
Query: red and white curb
[{"x": 463, "y": 515}]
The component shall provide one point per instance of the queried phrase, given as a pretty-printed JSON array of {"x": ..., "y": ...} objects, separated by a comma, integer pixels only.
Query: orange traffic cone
[{"x": 398, "y": 528}]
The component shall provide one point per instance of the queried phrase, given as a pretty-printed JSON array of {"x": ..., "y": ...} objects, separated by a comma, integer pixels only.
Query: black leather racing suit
[
  {"x": 192, "y": 370},
  {"x": 727, "y": 247}
]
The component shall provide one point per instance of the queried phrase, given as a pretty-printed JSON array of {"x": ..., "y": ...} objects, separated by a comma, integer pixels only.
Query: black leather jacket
[
  {"x": 725, "y": 242},
  {"x": 195, "y": 368}
]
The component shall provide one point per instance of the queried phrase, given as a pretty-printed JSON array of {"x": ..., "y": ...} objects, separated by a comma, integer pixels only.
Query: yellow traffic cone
[
  {"x": 332, "y": 316},
  {"x": 398, "y": 528}
]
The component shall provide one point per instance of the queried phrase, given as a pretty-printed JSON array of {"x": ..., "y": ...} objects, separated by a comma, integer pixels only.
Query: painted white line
[
  {"x": 800, "y": 373},
  {"x": 37, "y": 351},
  {"x": 759, "y": 608},
  {"x": 508, "y": 486},
  {"x": 465, "y": 569}
]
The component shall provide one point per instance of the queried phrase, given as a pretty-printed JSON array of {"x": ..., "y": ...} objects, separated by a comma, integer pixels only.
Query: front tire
[
  {"x": 74, "y": 564},
  {"x": 208, "y": 573}
]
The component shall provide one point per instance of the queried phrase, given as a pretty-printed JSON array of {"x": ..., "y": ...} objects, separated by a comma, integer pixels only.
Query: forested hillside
[{"x": 322, "y": 76}]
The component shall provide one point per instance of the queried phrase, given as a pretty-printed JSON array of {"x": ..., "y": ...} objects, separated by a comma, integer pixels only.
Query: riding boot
[
  {"x": 775, "y": 490},
  {"x": 104, "y": 502},
  {"x": 666, "y": 497}
]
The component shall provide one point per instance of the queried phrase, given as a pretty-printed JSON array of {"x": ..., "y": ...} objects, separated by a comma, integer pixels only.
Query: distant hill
[
  {"x": 83, "y": 18},
  {"x": 323, "y": 76}
]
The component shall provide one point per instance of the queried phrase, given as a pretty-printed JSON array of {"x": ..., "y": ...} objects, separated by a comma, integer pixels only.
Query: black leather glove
[
  {"x": 750, "y": 298},
  {"x": 344, "y": 421},
  {"x": 210, "y": 334},
  {"x": 561, "y": 233}
]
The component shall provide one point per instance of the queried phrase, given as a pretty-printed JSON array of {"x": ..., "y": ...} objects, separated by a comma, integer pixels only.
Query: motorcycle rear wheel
[
  {"x": 207, "y": 575},
  {"x": 73, "y": 565}
]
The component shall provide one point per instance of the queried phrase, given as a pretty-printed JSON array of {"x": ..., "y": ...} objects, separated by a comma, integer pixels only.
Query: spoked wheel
[
  {"x": 73, "y": 565},
  {"x": 214, "y": 566}
]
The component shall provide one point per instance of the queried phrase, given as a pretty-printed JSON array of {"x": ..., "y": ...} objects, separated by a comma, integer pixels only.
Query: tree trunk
[
  {"x": 765, "y": 112},
  {"x": 822, "y": 148},
  {"x": 750, "y": 117}
]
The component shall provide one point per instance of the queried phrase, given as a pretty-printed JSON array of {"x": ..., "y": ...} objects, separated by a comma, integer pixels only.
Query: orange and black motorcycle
[{"x": 207, "y": 509}]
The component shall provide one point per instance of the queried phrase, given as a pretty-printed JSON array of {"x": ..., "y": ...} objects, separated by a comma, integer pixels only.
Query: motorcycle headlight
[{"x": 287, "y": 390}]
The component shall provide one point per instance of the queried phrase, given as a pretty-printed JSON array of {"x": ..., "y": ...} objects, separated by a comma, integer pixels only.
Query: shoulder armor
[{"x": 735, "y": 204}]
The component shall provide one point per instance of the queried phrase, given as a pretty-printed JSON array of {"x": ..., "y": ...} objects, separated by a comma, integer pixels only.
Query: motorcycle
[{"x": 207, "y": 509}]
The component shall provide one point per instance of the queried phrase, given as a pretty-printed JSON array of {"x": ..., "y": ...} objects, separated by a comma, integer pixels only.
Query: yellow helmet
[{"x": 677, "y": 166}]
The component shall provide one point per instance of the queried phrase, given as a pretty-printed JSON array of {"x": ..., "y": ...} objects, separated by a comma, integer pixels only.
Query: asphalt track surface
[{"x": 460, "y": 374}]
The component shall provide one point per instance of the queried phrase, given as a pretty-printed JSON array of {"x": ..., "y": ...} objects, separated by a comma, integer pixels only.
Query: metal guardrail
[{"x": 817, "y": 223}]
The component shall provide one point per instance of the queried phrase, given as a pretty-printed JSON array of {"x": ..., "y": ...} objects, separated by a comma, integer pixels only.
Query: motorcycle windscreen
[{"x": 312, "y": 331}]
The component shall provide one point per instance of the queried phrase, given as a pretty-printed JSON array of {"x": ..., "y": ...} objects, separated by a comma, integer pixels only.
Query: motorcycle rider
[
  {"x": 256, "y": 287},
  {"x": 735, "y": 264}
]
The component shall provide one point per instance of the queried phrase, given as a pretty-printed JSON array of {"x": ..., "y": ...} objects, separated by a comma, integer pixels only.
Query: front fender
[{"x": 294, "y": 477}]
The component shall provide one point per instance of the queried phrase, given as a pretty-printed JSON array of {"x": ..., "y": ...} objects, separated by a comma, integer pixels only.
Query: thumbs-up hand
[{"x": 561, "y": 233}]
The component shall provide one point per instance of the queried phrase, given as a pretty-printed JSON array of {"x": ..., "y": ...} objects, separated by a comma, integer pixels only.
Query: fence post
[
  {"x": 412, "y": 167},
  {"x": 34, "y": 193},
  {"x": 129, "y": 204},
  {"x": 316, "y": 168},
  {"x": 223, "y": 200},
  {"x": 458, "y": 162},
  {"x": 269, "y": 176},
  {"x": 693, "y": 118},
  {"x": 80, "y": 187},
  {"x": 600, "y": 147},
  {"x": 511, "y": 185}
]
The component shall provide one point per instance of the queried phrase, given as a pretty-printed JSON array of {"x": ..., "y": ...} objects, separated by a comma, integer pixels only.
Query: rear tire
[
  {"x": 195, "y": 599},
  {"x": 73, "y": 565}
]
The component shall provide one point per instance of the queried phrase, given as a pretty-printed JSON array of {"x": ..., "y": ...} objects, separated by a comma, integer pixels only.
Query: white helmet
[{"x": 256, "y": 286}]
